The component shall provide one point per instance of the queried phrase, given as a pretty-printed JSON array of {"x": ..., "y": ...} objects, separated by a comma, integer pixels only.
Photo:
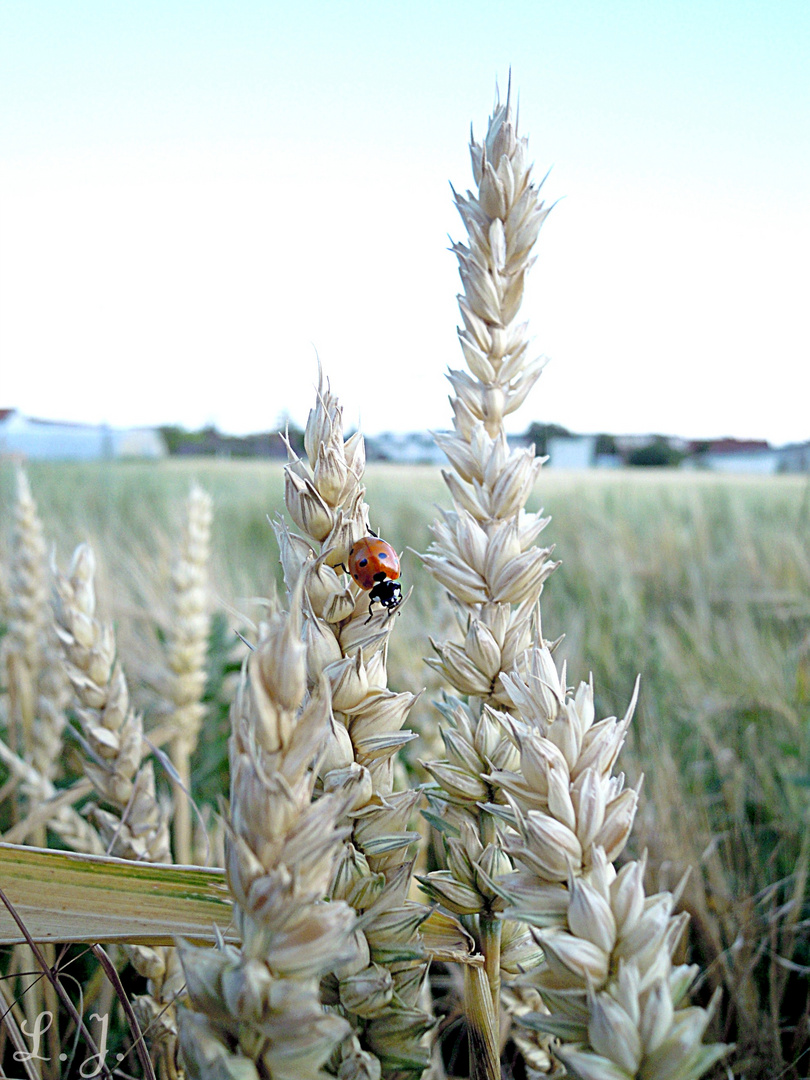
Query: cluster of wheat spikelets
[{"x": 331, "y": 972}]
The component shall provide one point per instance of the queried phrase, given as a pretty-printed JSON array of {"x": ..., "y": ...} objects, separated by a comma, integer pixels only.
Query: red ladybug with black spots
[{"x": 374, "y": 565}]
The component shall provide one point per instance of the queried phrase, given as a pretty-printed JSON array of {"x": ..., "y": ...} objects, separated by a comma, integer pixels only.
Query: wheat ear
[
  {"x": 256, "y": 1010},
  {"x": 187, "y": 643},
  {"x": 379, "y": 989},
  {"x": 484, "y": 551},
  {"x": 49, "y": 807},
  {"x": 566, "y": 817},
  {"x": 136, "y": 825},
  {"x": 28, "y": 582},
  {"x": 37, "y": 693},
  {"x": 607, "y": 976},
  {"x": 38, "y": 687},
  {"x": 113, "y": 731}
]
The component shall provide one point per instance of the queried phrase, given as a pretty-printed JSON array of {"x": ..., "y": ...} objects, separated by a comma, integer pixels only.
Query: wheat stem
[{"x": 490, "y": 926}]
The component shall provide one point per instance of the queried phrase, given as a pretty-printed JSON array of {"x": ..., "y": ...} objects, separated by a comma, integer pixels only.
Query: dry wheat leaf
[{"x": 65, "y": 896}]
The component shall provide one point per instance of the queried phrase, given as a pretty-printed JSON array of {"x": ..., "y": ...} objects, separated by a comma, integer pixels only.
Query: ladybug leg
[{"x": 373, "y": 598}]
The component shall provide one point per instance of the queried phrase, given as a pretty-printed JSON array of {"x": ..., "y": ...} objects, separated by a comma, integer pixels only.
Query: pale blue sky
[{"x": 194, "y": 197}]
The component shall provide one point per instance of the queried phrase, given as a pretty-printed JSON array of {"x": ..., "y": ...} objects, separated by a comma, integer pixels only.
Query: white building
[
  {"x": 795, "y": 457},
  {"x": 738, "y": 456},
  {"x": 408, "y": 448},
  {"x": 574, "y": 452},
  {"x": 742, "y": 461},
  {"x": 32, "y": 439}
]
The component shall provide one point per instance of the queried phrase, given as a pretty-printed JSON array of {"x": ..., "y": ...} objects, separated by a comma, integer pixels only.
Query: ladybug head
[{"x": 386, "y": 592}]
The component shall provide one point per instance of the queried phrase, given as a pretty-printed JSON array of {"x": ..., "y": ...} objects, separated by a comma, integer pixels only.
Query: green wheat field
[{"x": 697, "y": 583}]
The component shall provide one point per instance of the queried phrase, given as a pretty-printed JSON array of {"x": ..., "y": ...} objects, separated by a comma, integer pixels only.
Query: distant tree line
[
  {"x": 540, "y": 434},
  {"x": 208, "y": 441},
  {"x": 656, "y": 452}
]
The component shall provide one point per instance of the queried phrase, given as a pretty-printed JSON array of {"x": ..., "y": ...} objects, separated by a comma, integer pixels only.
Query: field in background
[{"x": 698, "y": 583}]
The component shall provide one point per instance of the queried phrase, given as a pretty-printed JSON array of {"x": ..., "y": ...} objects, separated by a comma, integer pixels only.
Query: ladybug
[{"x": 374, "y": 565}]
